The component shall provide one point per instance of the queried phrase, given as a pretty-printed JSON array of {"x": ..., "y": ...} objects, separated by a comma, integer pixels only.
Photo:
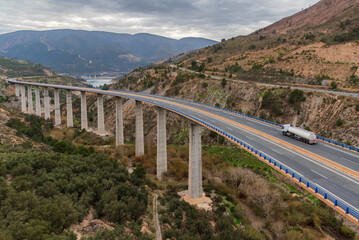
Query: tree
[
  {"x": 334, "y": 85},
  {"x": 339, "y": 122},
  {"x": 224, "y": 82},
  {"x": 296, "y": 96}
]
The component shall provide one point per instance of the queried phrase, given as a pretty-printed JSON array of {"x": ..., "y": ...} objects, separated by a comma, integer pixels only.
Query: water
[{"x": 98, "y": 82}]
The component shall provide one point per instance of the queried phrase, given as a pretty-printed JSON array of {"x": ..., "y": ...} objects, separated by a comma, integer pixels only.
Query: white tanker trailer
[{"x": 300, "y": 134}]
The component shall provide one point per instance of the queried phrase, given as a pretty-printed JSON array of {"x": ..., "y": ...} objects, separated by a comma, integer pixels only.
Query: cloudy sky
[{"x": 214, "y": 19}]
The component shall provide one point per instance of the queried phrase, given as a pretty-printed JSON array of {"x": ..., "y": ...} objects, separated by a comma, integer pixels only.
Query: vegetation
[
  {"x": 353, "y": 34},
  {"x": 339, "y": 122},
  {"x": 20, "y": 68},
  {"x": 49, "y": 191},
  {"x": 271, "y": 102}
]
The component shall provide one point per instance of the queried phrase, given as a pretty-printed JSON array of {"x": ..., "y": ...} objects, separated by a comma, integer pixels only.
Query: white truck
[{"x": 299, "y": 134}]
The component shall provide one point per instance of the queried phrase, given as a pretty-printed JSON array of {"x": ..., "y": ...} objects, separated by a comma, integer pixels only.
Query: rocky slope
[
  {"x": 335, "y": 117},
  {"x": 318, "y": 43}
]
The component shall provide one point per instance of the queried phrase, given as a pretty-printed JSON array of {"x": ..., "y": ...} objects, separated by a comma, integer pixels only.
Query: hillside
[
  {"x": 10, "y": 68},
  {"x": 334, "y": 117},
  {"x": 316, "y": 44},
  {"x": 79, "y": 52}
]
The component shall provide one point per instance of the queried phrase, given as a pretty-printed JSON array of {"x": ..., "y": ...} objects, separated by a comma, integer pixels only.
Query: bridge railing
[{"x": 349, "y": 147}]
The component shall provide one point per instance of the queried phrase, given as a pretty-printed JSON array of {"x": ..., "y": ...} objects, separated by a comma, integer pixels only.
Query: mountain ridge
[{"x": 81, "y": 51}]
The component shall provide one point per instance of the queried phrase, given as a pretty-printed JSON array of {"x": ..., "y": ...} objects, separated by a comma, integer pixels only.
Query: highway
[{"x": 298, "y": 156}]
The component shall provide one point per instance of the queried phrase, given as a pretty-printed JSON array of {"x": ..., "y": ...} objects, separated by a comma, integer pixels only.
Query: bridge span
[{"x": 328, "y": 171}]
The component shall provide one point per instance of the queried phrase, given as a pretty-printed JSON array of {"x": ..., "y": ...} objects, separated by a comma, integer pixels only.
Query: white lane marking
[
  {"x": 351, "y": 161},
  {"x": 250, "y": 138},
  {"x": 276, "y": 152},
  {"x": 303, "y": 156},
  {"x": 319, "y": 174},
  {"x": 339, "y": 149}
]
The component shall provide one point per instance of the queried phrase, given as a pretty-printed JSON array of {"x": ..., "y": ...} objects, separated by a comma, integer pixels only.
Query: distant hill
[
  {"x": 77, "y": 51},
  {"x": 10, "y": 68}
]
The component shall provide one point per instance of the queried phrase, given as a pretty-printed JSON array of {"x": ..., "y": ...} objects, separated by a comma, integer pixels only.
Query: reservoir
[{"x": 98, "y": 82}]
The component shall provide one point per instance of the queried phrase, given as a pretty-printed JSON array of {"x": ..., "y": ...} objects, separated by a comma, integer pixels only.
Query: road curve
[{"x": 266, "y": 138}]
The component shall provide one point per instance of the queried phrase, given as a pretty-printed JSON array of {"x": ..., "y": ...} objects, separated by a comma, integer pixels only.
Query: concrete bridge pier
[
  {"x": 23, "y": 98},
  {"x": 46, "y": 103},
  {"x": 84, "y": 122},
  {"x": 119, "y": 122},
  {"x": 17, "y": 94},
  {"x": 161, "y": 142},
  {"x": 69, "y": 117},
  {"x": 100, "y": 115},
  {"x": 37, "y": 101},
  {"x": 140, "y": 146},
  {"x": 195, "y": 162},
  {"x": 29, "y": 100},
  {"x": 57, "y": 107}
]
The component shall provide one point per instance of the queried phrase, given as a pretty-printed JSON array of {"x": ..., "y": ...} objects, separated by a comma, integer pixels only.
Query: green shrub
[
  {"x": 296, "y": 96},
  {"x": 347, "y": 232},
  {"x": 339, "y": 122},
  {"x": 224, "y": 82},
  {"x": 357, "y": 107}
]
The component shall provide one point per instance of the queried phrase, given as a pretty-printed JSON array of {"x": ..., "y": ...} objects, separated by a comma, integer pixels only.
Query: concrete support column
[
  {"x": 23, "y": 98},
  {"x": 70, "y": 120},
  {"x": 84, "y": 122},
  {"x": 17, "y": 90},
  {"x": 140, "y": 146},
  {"x": 100, "y": 115},
  {"x": 57, "y": 107},
  {"x": 161, "y": 142},
  {"x": 29, "y": 100},
  {"x": 46, "y": 103},
  {"x": 119, "y": 122},
  {"x": 195, "y": 162},
  {"x": 37, "y": 101}
]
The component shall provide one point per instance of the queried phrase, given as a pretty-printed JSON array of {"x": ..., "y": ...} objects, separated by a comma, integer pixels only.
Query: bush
[
  {"x": 357, "y": 107},
  {"x": 224, "y": 82},
  {"x": 339, "y": 122},
  {"x": 296, "y": 96},
  {"x": 334, "y": 85}
]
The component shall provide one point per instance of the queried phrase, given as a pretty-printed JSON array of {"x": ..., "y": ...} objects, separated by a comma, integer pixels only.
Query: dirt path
[{"x": 158, "y": 227}]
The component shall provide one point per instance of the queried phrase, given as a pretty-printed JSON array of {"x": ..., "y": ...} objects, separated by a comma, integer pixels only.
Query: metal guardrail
[{"x": 338, "y": 144}]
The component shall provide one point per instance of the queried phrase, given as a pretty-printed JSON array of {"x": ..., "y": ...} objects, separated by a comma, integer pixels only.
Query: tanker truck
[{"x": 299, "y": 134}]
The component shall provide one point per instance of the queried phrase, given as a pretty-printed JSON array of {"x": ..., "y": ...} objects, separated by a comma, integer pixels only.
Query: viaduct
[{"x": 329, "y": 169}]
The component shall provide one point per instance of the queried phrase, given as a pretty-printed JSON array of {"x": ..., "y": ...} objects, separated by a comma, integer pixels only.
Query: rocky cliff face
[{"x": 327, "y": 115}]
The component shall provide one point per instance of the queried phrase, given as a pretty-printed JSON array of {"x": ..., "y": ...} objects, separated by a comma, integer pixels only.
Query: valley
[{"x": 140, "y": 136}]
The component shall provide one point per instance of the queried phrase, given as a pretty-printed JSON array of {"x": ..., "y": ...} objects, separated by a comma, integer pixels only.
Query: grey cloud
[{"x": 172, "y": 18}]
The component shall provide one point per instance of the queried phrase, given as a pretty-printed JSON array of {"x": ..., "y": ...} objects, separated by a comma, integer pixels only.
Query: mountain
[
  {"x": 77, "y": 51},
  {"x": 318, "y": 43},
  {"x": 321, "y": 13}
]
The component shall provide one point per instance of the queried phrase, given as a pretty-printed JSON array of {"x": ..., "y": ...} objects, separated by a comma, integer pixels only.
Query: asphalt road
[{"x": 337, "y": 183}]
